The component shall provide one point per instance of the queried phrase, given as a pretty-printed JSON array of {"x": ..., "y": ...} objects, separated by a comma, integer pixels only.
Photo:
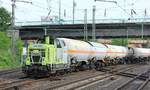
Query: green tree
[{"x": 5, "y": 19}]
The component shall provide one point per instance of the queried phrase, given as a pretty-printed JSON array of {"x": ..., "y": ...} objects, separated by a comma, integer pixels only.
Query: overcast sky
[{"x": 39, "y": 8}]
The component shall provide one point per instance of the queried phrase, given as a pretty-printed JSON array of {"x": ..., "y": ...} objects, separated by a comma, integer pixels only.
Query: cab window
[{"x": 58, "y": 44}]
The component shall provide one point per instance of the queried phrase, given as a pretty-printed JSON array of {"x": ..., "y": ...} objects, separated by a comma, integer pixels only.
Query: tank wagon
[{"x": 67, "y": 55}]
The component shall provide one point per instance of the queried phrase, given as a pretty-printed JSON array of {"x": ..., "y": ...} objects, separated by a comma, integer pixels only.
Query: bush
[
  {"x": 120, "y": 41},
  {"x": 7, "y": 59}
]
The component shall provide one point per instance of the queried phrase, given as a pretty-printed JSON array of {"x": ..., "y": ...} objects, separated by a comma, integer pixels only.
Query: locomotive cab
[{"x": 60, "y": 51}]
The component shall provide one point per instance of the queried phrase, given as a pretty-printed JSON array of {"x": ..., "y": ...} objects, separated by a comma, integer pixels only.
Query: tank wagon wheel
[
  {"x": 67, "y": 71},
  {"x": 111, "y": 62},
  {"x": 108, "y": 63},
  {"x": 92, "y": 63},
  {"x": 127, "y": 60},
  {"x": 74, "y": 68},
  {"x": 148, "y": 59},
  {"x": 98, "y": 65},
  {"x": 103, "y": 64},
  {"x": 82, "y": 66},
  {"x": 74, "y": 65},
  {"x": 124, "y": 60}
]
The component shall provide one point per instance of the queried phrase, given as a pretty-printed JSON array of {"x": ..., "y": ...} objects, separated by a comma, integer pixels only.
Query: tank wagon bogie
[{"x": 73, "y": 55}]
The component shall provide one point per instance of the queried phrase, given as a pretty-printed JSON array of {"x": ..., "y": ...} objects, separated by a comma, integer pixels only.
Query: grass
[{"x": 7, "y": 58}]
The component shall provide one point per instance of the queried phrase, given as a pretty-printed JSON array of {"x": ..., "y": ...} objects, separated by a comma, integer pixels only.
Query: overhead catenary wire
[
  {"x": 43, "y": 7},
  {"x": 53, "y": 10},
  {"x": 122, "y": 9},
  {"x": 68, "y": 15}
]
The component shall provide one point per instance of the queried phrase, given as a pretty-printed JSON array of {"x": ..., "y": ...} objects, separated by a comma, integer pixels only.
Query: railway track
[
  {"x": 86, "y": 81},
  {"x": 4, "y": 72},
  {"x": 13, "y": 84},
  {"x": 76, "y": 84},
  {"x": 17, "y": 84},
  {"x": 136, "y": 83}
]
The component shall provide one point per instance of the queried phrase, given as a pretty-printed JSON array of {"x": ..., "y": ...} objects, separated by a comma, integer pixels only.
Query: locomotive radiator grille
[{"x": 36, "y": 55}]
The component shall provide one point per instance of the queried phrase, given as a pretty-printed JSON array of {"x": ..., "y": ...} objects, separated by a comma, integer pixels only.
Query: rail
[
  {"x": 126, "y": 84},
  {"x": 83, "y": 82},
  {"x": 4, "y": 72}
]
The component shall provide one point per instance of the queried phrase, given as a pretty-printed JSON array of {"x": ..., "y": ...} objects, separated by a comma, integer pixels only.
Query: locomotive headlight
[{"x": 28, "y": 61}]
